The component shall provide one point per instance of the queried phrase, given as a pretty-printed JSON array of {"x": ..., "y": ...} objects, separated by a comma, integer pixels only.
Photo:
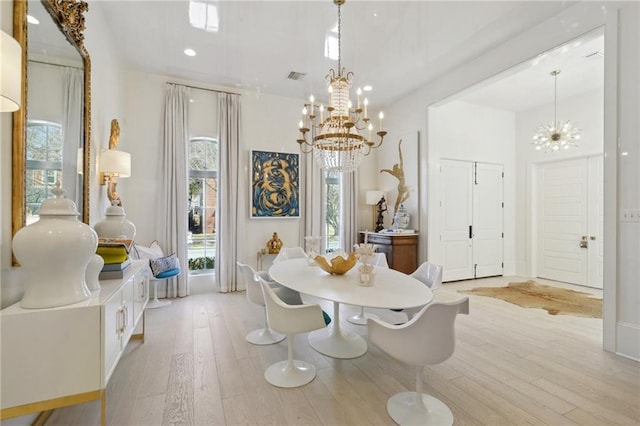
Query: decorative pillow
[
  {"x": 163, "y": 264},
  {"x": 154, "y": 251}
]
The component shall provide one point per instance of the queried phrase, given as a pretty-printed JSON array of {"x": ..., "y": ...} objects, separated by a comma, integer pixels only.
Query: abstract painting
[{"x": 274, "y": 184}]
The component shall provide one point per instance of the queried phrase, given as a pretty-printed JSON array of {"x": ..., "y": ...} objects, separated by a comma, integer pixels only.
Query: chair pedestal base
[
  {"x": 155, "y": 303},
  {"x": 361, "y": 318},
  {"x": 403, "y": 410},
  {"x": 264, "y": 336},
  {"x": 280, "y": 375}
]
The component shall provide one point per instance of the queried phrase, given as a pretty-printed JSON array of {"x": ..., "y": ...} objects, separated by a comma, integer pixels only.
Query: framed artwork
[{"x": 275, "y": 191}]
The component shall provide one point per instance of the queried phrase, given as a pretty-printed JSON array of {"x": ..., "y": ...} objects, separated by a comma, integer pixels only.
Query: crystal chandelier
[
  {"x": 336, "y": 142},
  {"x": 557, "y": 134}
]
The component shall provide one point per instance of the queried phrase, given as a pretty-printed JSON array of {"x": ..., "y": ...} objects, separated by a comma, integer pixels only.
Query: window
[
  {"x": 44, "y": 164},
  {"x": 332, "y": 210},
  {"x": 203, "y": 198}
]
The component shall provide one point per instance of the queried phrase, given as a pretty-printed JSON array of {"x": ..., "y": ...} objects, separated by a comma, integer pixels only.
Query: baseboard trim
[{"x": 628, "y": 340}]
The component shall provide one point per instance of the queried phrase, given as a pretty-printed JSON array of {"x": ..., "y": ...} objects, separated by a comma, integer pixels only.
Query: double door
[{"x": 471, "y": 219}]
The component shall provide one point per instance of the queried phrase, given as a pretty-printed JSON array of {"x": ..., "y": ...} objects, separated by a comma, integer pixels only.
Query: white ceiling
[{"x": 395, "y": 46}]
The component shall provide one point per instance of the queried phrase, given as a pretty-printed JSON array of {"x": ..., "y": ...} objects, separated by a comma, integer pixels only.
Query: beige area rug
[{"x": 554, "y": 300}]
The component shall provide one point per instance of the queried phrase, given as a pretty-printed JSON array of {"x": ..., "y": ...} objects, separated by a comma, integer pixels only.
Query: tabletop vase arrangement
[
  {"x": 339, "y": 265},
  {"x": 366, "y": 270},
  {"x": 313, "y": 248}
]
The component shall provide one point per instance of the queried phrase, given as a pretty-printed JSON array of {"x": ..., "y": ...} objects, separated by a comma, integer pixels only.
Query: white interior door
[
  {"x": 562, "y": 211},
  {"x": 456, "y": 200},
  {"x": 488, "y": 222}
]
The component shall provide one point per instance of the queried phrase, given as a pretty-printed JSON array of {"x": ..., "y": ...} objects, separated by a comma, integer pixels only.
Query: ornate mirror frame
[{"x": 68, "y": 16}]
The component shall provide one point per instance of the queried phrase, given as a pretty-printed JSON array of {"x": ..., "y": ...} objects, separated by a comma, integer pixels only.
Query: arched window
[{"x": 203, "y": 198}]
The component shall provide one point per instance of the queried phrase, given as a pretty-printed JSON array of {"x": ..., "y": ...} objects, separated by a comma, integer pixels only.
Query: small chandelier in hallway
[{"x": 556, "y": 135}]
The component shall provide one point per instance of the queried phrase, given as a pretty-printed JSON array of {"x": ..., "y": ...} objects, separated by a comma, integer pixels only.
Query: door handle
[
  {"x": 592, "y": 238},
  {"x": 583, "y": 242}
]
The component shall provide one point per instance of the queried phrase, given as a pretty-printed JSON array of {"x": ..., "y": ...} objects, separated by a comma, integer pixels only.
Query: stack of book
[
  {"x": 115, "y": 253},
  {"x": 113, "y": 271}
]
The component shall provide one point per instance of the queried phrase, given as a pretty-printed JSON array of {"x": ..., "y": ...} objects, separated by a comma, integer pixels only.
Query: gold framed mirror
[{"x": 52, "y": 129}]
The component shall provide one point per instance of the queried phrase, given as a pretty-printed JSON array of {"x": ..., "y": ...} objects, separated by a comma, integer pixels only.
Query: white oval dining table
[{"x": 391, "y": 289}]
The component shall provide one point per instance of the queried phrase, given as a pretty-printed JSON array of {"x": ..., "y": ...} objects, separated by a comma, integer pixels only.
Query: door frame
[{"x": 563, "y": 27}]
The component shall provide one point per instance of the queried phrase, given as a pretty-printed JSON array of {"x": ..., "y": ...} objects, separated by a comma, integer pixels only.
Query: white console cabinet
[{"x": 55, "y": 357}]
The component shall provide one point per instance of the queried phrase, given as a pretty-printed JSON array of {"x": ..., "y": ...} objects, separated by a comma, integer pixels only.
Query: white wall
[
  {"x": 463, "y": 131},
  {"x": 622, "y": 176},
  {"x": 262, "y": 118},
  {"x": 586, "y": 111}
]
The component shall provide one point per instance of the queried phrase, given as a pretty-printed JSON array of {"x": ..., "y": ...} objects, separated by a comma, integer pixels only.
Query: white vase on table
[{"x": 55, "y": 252}]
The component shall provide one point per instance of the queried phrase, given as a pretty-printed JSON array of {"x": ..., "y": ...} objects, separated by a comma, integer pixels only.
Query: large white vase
[
  {"x": 55, "y": 252},
  {"x": 115, "y": 225},
  {"x": 92, "y": 274}
]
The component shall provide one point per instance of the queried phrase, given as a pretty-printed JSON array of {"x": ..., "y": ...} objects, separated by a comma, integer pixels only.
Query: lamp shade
[
  {"x": 115, "y": 162},
  {"x": 10, "y": 73},
  {"x": 373, "y": 197}
]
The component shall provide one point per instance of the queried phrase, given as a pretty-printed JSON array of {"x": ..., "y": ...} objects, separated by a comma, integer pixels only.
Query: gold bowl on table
[{"x": 339, "y": 265}]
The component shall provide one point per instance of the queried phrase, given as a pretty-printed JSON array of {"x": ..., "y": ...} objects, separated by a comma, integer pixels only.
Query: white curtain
[
  {"x": 312, "y": 214},
  {"x": 73, "y": 131},
  {"x": 349, "y": 210},
  {"x": 172, "y": 208},
  {"x": 228, "y": 238}
]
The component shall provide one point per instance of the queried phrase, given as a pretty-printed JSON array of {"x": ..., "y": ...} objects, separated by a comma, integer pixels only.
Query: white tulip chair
[
  {"x": 290, "y": 320},
  {"x": 264, "y": 335},
  {"x": 427, "y": 339},
  {"x": 431, "y": 275},
  {"x": 287, "y": 253}
]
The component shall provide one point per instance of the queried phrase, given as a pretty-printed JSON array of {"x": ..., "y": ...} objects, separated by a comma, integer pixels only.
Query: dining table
[{"x": 391, "y": 289}]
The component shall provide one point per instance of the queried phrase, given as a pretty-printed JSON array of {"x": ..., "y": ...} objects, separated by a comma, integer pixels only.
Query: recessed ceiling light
[
  {"x": 624, "y": 153},
  {"x": 189, "y": 52},
  {"x": 367, "y": 88},
  {"x": 32, "y": 20}
]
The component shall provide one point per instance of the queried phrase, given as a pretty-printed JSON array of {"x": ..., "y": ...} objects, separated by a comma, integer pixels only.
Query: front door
[{"x": 569, "y": 243}]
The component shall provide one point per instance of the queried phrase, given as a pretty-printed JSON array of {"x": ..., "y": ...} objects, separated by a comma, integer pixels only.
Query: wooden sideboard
[
  {"x": 63, "y": 356},
  {"x": 401, "y": 250}
]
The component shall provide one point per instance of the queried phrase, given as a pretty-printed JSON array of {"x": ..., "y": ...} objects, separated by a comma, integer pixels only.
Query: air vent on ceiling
[
  {"x": 294, "y": 75},
  {"x": 596, "y": 54}
]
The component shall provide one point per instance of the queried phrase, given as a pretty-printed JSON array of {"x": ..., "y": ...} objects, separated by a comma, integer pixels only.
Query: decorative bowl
[{"x": 339, "y": 265}]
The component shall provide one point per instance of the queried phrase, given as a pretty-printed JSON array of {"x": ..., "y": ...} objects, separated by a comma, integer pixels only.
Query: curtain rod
[
  {"x": 202, "y": 88},
  {"x": 55, "y": 65}
]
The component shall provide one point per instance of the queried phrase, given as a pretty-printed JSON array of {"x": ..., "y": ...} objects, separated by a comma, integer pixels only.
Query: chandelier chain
[
  {"x": 339, "y": 41},
  {"x": 555, "y": 96}
]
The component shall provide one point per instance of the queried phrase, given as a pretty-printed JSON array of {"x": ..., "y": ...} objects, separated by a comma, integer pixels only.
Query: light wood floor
[{"x": 512, "y": 366}]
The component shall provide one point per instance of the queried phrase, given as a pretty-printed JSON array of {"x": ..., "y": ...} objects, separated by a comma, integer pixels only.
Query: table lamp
[
  {"x": 111, "y": 165},
  {"x": 372, "y": 199},
  {"x": 10, "y": 73}
]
